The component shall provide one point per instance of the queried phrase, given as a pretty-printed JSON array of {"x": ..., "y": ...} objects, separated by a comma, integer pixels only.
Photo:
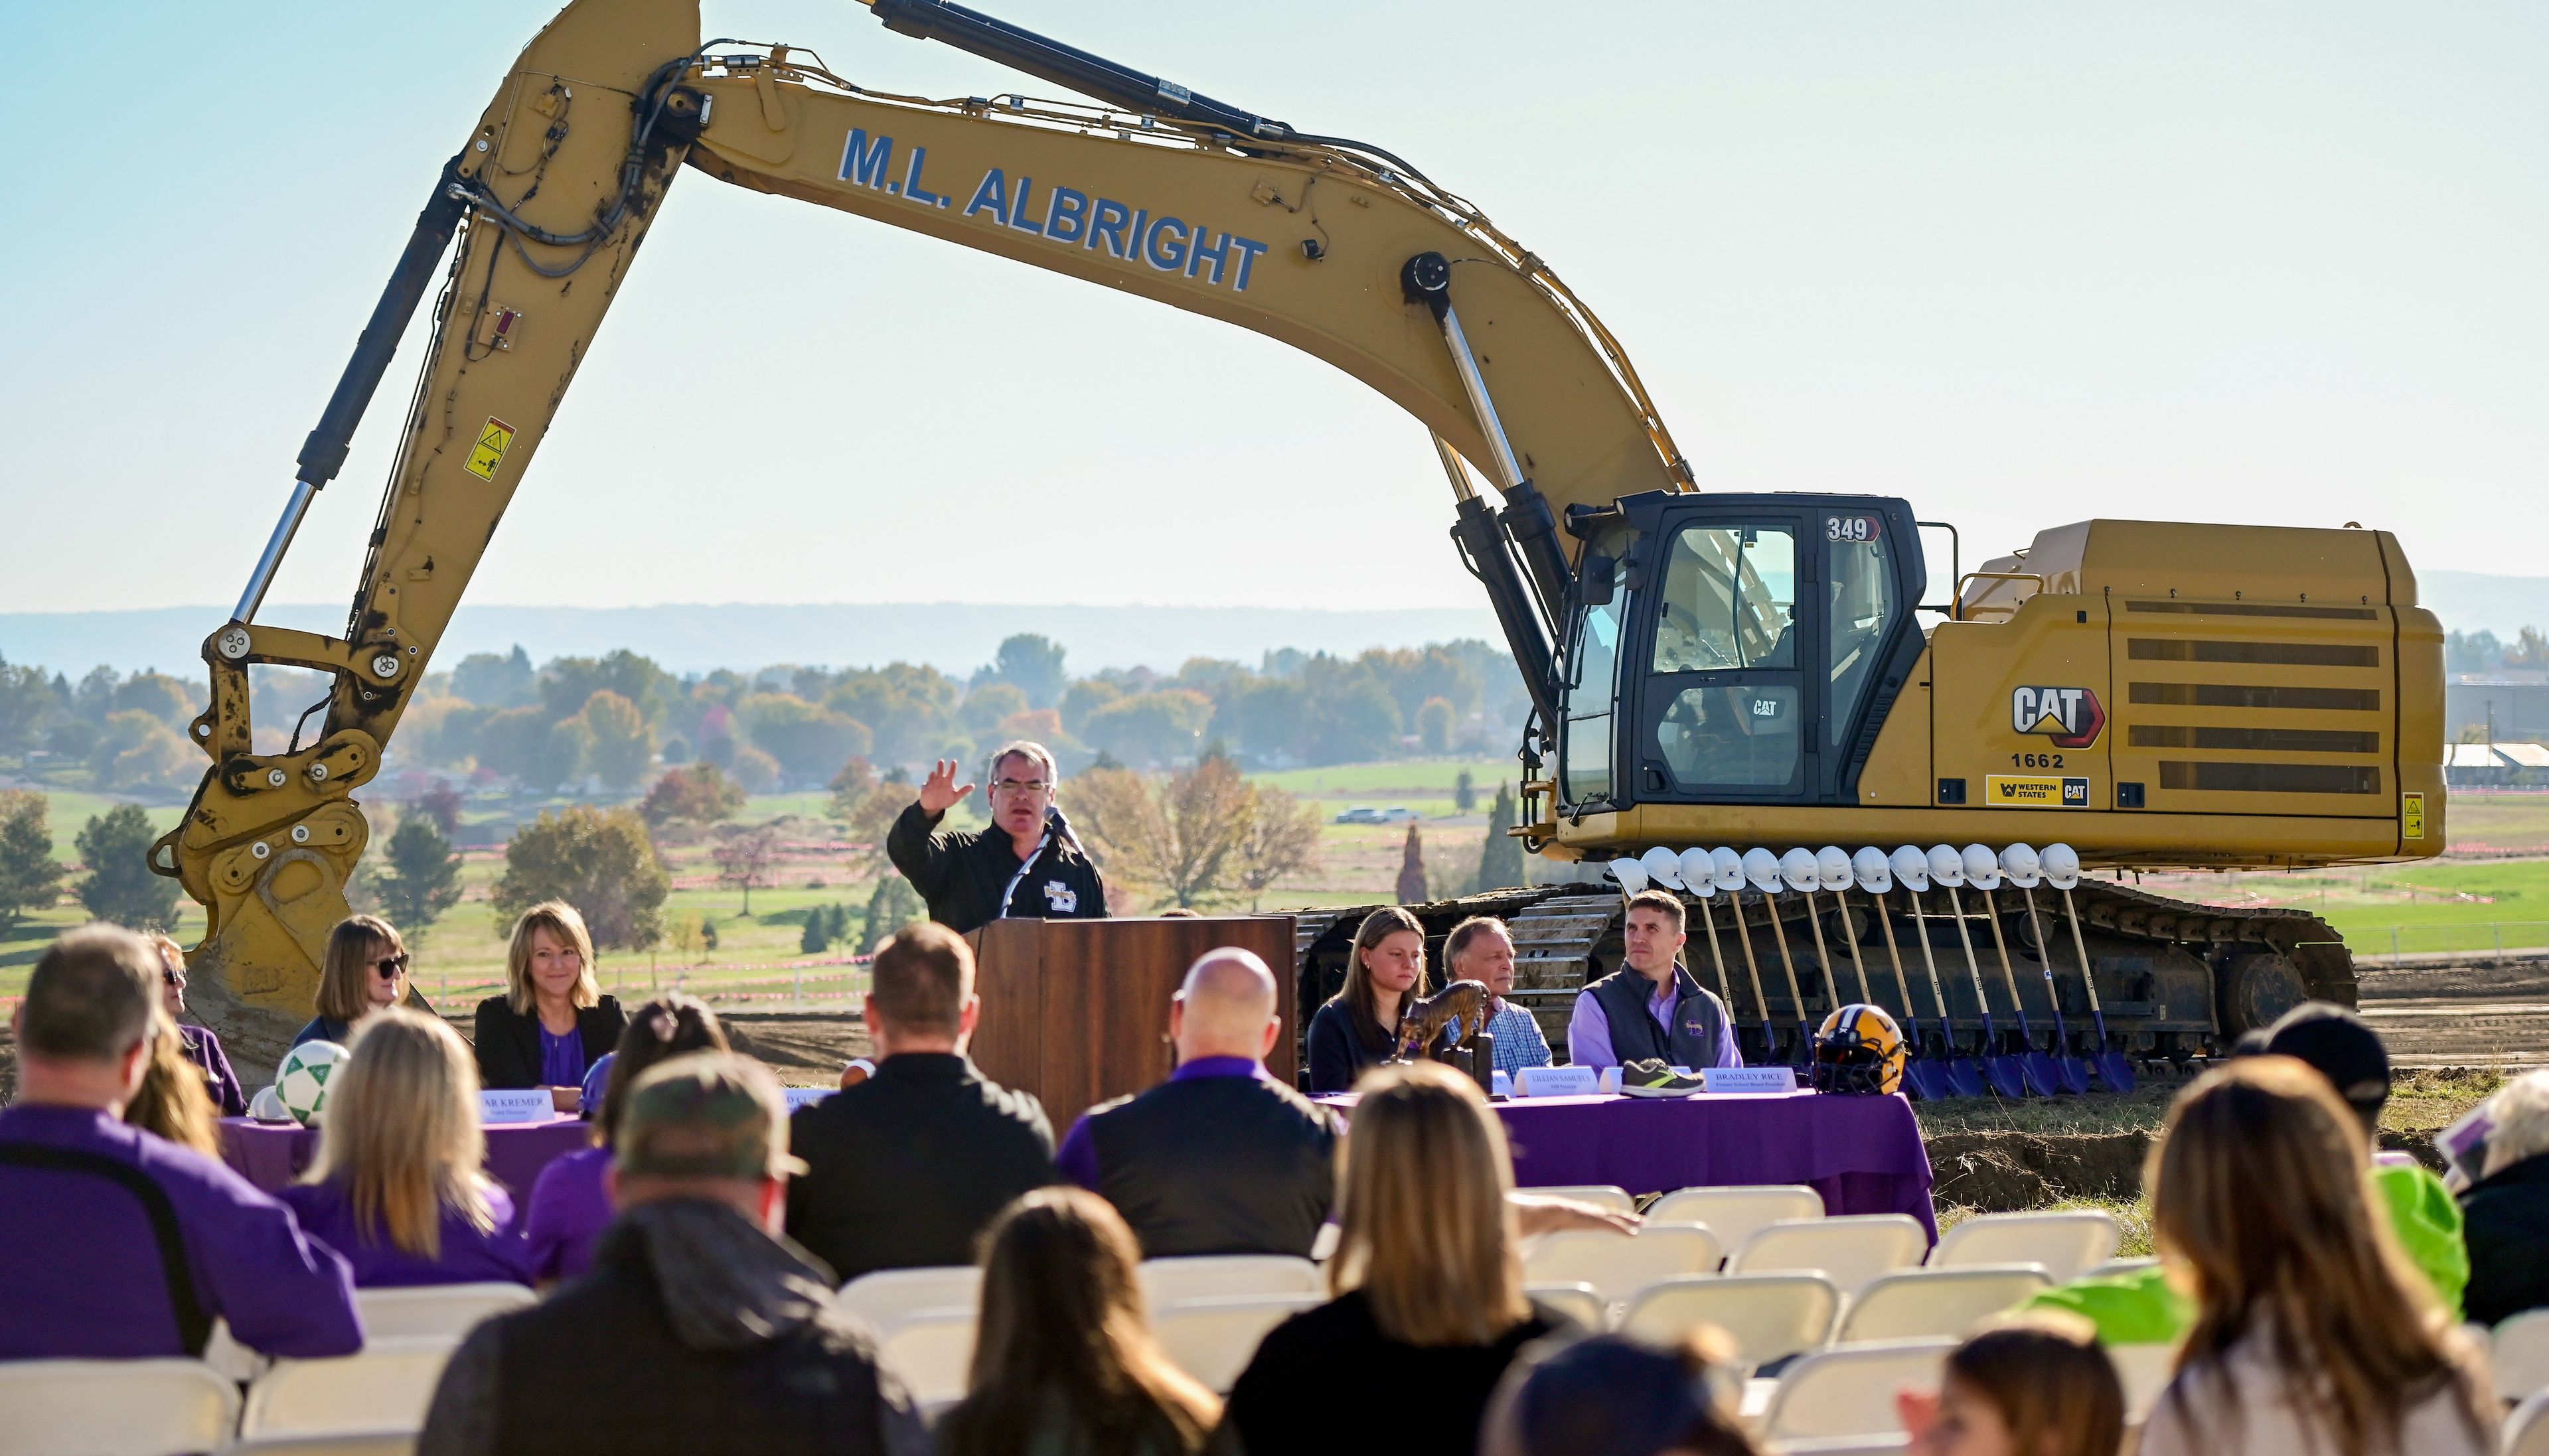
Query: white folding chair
[
  {"x": 1732, "y": 1213},
  {"x": 1214, "y": 1340},
  {"x": 114, "y": 1408},
  {"x": 2519, "y": 1348},
  {"x": 444, "y": 1310},
  {"x": 888, "y": 1295},
  {"x": 2119, "y": 1268},
  {"x": 2064, "y": 1242},
  {"x": 1844, "y": 1446},
  {"x": 369, "y": 1443},
  {"x": 1579, "y": 1302},
  {"x": 1848, "y": 1391},
  {"x": 384, "y": 1386},
  {"x": 1167, "y": 1282},
  {"x": 2145, "y": 1370},
  {"x": 1849, "y": 1250},
  {"x": 1617, "y": 1265},
  {"x": 1769, "y": 1317},
  {"x": 1604, "y": 1195},
  {"x": 1923, "y": 1304},
  {"x": 933, "y": 1351},
  {"x": 2526, "y": 1430}
]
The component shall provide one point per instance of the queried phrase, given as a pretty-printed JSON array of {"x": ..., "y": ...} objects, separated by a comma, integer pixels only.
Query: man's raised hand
[{"x": 940, "y": 792}]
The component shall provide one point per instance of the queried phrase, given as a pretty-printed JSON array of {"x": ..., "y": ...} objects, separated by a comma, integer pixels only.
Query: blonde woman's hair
[
  {"x": 401, "y": 1134},
  {"x": 346, "y": 974},
  {"x": 563, "y": 921},
  {"x": 172, "y": 1100},
  {"x": 2520, "y": 1113},
  {"x": 2263, "y": 1199},
  {"x": 1426, "y": 1231}
]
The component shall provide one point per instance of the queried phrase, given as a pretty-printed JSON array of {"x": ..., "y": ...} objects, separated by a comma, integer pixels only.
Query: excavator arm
[{"x": 1335, "y": 248}]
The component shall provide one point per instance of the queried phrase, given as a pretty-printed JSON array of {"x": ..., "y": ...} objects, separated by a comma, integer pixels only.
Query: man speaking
[{"x": 1028, "y": 865}]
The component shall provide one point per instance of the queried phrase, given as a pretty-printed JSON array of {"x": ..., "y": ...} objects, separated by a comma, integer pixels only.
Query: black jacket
[
  {"x": 2506, "y": 1222},
  {"x": 1217, "y": 1166},
  {"x": 509, "y": 1043},
  {"x": 961, "y": 875},
  {"x": 1327, "y": 1380},
  {"x": 1337, "y": 1056},
  {"x": 904, "y": 1168}
]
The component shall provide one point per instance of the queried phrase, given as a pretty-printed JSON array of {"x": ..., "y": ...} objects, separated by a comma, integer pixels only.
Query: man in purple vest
[
  {"x": 1652, "y": 1009},
  {"x": 114, "y": 1243}
]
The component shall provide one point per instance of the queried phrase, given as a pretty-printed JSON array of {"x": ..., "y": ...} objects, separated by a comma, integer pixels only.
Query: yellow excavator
[{"x": 1716, "y": 675}]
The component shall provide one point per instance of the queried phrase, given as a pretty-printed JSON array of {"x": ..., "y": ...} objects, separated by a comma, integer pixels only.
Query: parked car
[{"x": 1369, "y": 814}]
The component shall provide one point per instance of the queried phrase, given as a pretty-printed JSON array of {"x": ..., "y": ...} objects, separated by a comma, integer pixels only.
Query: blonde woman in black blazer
[{"x": 553, "y": 1023}]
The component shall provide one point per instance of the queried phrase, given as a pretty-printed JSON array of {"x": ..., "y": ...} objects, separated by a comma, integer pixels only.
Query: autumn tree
[
  {"x": 746, "y": 857},
  {"x": 1434, "y": 721},
  {"x": 1411, "y": 870},
  {"x": 422, "y": 878},
  {"x": 1282, "y": 839},
  {"x": 618, "y": 743},
  {"x": 31, "y": 880},
  {"x": 1175, "y": 840},
  {"x": 441, "y": 803},
  {"x": 600, "y": 861},
  {"x": 698, "y": 794}
]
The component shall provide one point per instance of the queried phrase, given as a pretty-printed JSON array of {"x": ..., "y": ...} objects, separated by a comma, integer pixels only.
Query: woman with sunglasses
[
  {"x": 196, "y": 1043},
  {"x": 365, "y": 969}
]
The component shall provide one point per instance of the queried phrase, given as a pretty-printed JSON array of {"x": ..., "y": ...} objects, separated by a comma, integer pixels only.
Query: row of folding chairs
[
  {"x": 1850, "y": 1251},
  {"x": 1211, "y": 1339},
  {"x": 370, "y": 1404},
  {"x": 888, "y": 1295}
]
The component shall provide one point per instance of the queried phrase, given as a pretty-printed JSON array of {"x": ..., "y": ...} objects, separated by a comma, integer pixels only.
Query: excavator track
[{"x": 2175, "y": 980}]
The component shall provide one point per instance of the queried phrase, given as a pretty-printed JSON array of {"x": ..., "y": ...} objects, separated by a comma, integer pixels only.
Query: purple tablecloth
[
  {"x": 273, "y": 1154},
  {"x": 1863, "y": 1155}
]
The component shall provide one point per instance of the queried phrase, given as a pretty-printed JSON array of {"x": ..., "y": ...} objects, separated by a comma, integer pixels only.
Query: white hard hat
[
  {"x": 1982, "y": 868},
  {"x": 2062, "y": 865},
  {"x": 1875, "y": 875},
  {"x": 1947, "y": 867},
  {"x": 1831, "y": 868},
  {"x": 1631, "y": 875},
  {"x": 1699, "y": 872},
  {"x": 2020, "y": 863},
  {"x": 1730, "y": 868},
  {"x": 1798, "y": 868},
  {"x": 1664, "y": 866},
  {"x": 1762, "y": 868},
  {"x": 1912, "y": 868}
]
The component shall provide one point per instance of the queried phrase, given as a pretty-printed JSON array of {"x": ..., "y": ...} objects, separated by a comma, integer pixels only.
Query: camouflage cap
[{"x": 705, "y": 1114}]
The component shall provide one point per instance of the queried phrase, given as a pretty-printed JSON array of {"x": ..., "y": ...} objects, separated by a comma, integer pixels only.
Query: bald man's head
[{"x": 1226, "y": 1008}]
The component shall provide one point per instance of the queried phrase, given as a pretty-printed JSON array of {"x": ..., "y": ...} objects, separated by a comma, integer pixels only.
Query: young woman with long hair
[
  {"x": 569, "y": 1205},
  {"x": 553, "y": 1021},
  {"x": 364, "y": 969},
  {"x": 1063, "y": 1356},
  {"x": 1428, "y": 1308},
  {"x": 1358, "y": 1026},
  {"x": 2313, "y": 1331},
  {"x": 396, "y": 1187},
  {"x": 173, "y": 1101}
]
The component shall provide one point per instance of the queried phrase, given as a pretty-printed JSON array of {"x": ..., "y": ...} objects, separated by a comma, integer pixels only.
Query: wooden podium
[{"x": 1077, "y": 1011}]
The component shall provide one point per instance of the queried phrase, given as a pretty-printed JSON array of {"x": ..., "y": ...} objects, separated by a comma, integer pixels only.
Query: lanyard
[{"x": 1015, "y": 879}]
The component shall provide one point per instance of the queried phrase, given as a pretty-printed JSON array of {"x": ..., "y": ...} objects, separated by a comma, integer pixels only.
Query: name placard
[
  {"x": 1502, "y": 1085},
  {"x": 1557, "y": 1081},
  {"x": 515, "y": 1105},
  {"x": 806, "y": 1096},
  {"x": 1750, "y": 1078}
]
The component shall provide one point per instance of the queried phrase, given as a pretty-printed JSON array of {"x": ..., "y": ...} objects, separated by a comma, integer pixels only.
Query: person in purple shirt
[
  {"x": 196, "y": 1043},
  {"x": 397, "y": 1187},
  {"x": 571, "y": 1203},
  {"x": 1221, "y": 1158},
  {"x": 114, "y": 1243},
  {"x": 1652, "y": 1007}
]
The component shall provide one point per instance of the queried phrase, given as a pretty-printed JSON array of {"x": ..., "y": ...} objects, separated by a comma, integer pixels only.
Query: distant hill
[{"x": 952, "y": 637}]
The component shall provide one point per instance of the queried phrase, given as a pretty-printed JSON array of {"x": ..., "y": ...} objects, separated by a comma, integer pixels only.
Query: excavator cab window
[
  {"x": 1860, "y": 605},
  {"x": 1726, "y": 657},
  {"x": 1584, "y": 753}
]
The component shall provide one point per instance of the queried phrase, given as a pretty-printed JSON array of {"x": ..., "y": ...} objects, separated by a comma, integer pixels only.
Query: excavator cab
[{"x": 1734, "y": 649}]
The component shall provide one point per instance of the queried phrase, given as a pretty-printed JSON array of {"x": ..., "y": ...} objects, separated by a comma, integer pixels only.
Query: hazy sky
[{"x": 2023, "y": 263}]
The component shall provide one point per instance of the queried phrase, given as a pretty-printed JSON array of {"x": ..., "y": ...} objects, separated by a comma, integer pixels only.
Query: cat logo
[{"x": 2071, "y": 716}]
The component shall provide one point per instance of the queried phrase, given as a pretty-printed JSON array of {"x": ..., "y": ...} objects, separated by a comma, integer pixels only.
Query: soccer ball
[{"x": 301, "y": 1082}]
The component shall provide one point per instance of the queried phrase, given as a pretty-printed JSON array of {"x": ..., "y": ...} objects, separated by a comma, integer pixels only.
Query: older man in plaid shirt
[{"x": 1480, "y": 948}]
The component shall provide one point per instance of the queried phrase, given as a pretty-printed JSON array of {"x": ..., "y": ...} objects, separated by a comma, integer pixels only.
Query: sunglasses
[{"x": 389, "y": 967}]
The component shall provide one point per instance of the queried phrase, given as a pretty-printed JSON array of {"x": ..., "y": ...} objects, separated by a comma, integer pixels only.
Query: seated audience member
[
  {"x": 1358, "y": 1028},
  {"x": 198, "y": 1043},
  {"x": 697, "y": 1329},
  {"x": 553, "y": 1022},
  {"x": 2508, "y": 1208},
  {"x": 1427, "y": 1278},
  {"x": 570, "y": 1205},
  {"x": 904, "y": 1169},
  {"x": 85, "y": 1272},
  {"x": 1652, "y": 1007},
  {"x": 2313, "y": 1331},
  {"x": 2038, "y": 1386},
  {"x": 396, "y": 1187},
  {"x": 172, "y": 1100},
  {"x": 1220, "y": 1158},
  {"x": 1063, "y": 1356},
  {"x": 1480, "y": 948},
  {"x": 364, "y": 969},
  {"x": 1609, "y": 1395}
]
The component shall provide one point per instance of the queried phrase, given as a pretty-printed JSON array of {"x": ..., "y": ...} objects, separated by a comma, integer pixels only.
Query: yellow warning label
[
  {"x": 493, "y": 441},
  {"x": 2035, "y": 791},
  {"x": 2412, "y": 816}
]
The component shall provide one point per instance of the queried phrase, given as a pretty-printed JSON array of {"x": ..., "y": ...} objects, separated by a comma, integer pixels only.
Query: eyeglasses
[
  {"x": 1029, "y": 787},
  {"x": 389, "y": 967},
  {"x": 173, "y": 979}
]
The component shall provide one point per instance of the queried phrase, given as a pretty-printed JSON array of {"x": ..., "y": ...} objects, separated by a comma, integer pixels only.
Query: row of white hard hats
[{"x": 1704, "y": 872}]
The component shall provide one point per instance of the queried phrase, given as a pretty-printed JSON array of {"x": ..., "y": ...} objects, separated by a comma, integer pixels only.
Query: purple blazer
[
  {"x": 570, "y": 1207},
  {"x": 204, "y": 1050},
  {"x": 468, "y": 1257}
]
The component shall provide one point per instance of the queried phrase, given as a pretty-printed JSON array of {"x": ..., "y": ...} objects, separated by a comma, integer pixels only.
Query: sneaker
[{"x": 1653, "y": 1078}]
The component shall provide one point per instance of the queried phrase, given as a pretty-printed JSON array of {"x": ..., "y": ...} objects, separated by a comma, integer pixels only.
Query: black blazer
[{"x": 509, "y": 1043}]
